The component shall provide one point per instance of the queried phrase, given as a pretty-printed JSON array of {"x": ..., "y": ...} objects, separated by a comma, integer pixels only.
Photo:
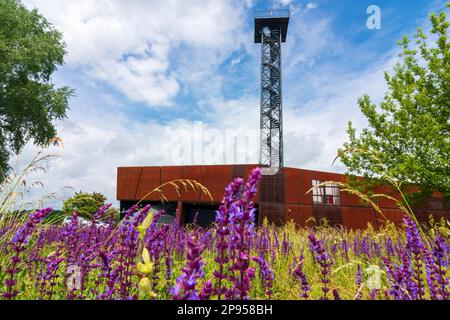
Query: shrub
[{"x": 85, "y": 203}]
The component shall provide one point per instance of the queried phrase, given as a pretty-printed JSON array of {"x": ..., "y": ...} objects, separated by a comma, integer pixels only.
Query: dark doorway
[
  {"x": 333, "y": 214},
  {"x": 206, "y": 214},
  {"x": 170, "y": 209},
  {"x": 205, "y": 217}
]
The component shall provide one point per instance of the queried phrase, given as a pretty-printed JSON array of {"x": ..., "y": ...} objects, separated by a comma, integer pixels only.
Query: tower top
[{"x": 271, "y": 18}]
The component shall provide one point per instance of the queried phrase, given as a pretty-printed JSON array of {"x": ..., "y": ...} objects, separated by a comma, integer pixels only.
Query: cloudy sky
[{"x": 154, "y": 76}]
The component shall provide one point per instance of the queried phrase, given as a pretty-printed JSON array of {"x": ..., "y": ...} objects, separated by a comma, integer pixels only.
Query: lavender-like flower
[
  {"x": 185, "y": 288},
  {"x": 440, "y": 268},
  {"x": 304, "y": 285},
  {"x": 358, "y": 281},
  {"x": 241, "y": 217},
  {"x": 266, "y": 274},
  {"x": 336, "y": 295},
  {"x": 18, "y": 245},
  {"x": 415, "y": 249},
  {"x": 207, "y": 291},
  {"x": 323, "y": 259},
  {"x": 222, "y": 228}
]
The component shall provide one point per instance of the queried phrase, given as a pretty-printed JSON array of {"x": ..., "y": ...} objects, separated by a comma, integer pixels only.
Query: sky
[{"x": 168, "y": 82}]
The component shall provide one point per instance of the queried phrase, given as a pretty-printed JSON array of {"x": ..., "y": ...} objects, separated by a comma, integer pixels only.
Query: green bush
[{"x": 85, "y": 203}]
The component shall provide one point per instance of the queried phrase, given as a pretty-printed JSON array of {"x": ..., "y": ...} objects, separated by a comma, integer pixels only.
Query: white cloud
[
  {"x": 130, "y": 44},
  {"x": 311, "y": 6}
]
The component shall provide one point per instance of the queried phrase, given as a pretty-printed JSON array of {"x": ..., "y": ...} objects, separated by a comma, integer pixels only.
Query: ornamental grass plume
[{"x": 18, "y": 245}]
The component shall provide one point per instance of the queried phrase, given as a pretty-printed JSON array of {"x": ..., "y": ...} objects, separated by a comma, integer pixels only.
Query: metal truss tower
[{"x": 270, "y": 30}]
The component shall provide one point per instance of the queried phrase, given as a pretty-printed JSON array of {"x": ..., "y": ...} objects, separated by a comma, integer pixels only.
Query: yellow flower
[
  {"x": 147, "y": 266},
  {"x": 145, "y": 288}
]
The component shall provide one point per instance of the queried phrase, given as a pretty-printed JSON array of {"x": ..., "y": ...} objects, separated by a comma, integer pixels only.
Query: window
[{"x": 327, "y": 194}]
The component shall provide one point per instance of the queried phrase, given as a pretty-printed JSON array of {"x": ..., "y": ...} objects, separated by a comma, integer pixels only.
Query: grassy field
[{"x": 141, "y": 259}]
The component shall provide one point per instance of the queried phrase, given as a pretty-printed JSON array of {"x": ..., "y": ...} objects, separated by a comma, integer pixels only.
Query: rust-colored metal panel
[
  {"x": 305, "y": 185},
  {"x": 274, "y": 212},
  {"x": 180, "y": 216},
  {"x": 192, "y": 173},
  {"x": 305, "y": 215},
  {"x": 127, "y": 183},
  {"x": 384, "y": 202},
  {"x": 333, "y": 214},
  {"x": 292, "y": 178},
  {"x": 291, "y": 212},
  {"x": 348, "y": 199},
  {"x": 300, "y": 214},
  {"x": 394, "y": 215},
  {"x": 271, "y": 188},
  {"x": 170, "y": 174},
  {"x": 239, "y": 170},
  {"x": 249, "y": 168},
  {"x": 150, "y": 179},
  {"x": 216, "y": 178},
  {"x": 358, "y": 217}
]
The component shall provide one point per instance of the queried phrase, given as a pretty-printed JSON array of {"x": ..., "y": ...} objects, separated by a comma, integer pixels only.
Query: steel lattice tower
[{"x": 270, "y": 30}]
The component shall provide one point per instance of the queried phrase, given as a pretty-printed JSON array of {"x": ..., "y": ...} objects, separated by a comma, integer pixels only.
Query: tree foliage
[
  {"x": 85, "y": 203},
  {"x": 30, "y": 52},
  {"x": 408, "y": 133}
]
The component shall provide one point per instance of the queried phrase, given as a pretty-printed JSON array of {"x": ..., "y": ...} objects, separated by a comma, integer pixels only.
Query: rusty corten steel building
[{"x": 338, "y": 207}]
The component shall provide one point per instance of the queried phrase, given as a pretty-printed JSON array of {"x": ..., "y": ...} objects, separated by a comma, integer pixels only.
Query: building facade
[{"x": 303, "y": 207}]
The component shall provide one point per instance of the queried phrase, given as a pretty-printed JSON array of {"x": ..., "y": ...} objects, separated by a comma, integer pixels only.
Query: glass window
[{"x": 326, "y": 194}]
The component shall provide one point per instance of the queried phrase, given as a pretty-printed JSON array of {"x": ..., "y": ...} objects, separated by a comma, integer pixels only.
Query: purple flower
[
  {"x": 323, "y": 259},
  {"x": 415, "y": 248},
  {"x": 18, "y": 245},
  {"x": 336, "y": 295},
  {"x": 304, "y": 285},
  {"x": 241, "y": 216},
  {"x": 206, "y": 291},
  {"x": 358, "y": 281},
  {"x": 223, "y": 231},
  {"x": 185, "y": 287},
  {"x": 439, "y": 268},
  {"x": 266, "y": 274}
]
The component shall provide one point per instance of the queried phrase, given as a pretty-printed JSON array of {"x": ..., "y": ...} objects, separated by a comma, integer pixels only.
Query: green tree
[
  {"x": 408, "y": 134},
  {"x": 30, "y": 51},
  {"x": 85, "y": 203}
]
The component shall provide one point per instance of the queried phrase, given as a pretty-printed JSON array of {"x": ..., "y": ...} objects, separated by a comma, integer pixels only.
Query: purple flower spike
[
  {"x": 323, "y": 259},
  {"x": 18, "y": 245},
  {"x": 304, "y": 285},
  {"x": 185, "y": 288},
  {"x": 267, "y": 275}
]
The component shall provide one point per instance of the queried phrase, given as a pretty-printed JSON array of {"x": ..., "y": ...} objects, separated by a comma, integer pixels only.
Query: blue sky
[{"x": 148, "y": 74}]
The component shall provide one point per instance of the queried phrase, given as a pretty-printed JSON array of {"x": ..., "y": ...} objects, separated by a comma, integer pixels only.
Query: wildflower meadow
[{"x": 234, "y": 259}]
